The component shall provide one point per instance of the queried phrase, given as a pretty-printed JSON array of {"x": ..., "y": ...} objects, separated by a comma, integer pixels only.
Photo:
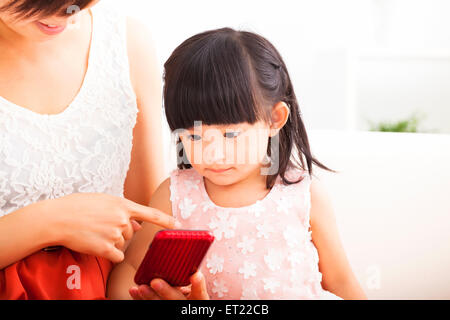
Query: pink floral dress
[{"x": 262, "y": 251}]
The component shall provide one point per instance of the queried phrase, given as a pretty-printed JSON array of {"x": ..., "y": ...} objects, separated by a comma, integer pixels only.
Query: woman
[{"x": 80, "y": 145}]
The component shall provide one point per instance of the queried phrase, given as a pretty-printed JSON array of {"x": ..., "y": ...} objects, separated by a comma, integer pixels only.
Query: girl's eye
[
  {"x": 194, "y": 137},
  {"x": 232, "y": 135}
]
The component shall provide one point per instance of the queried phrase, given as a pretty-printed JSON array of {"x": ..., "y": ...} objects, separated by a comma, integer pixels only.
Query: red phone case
[{"x": 174, "y": 255}]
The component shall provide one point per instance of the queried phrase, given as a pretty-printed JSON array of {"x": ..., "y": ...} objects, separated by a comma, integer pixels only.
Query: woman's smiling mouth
[{"x": 50, "y": 29}]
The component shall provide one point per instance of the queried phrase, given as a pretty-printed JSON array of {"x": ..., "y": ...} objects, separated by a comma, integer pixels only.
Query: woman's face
[{"x": 41, "y": 28}]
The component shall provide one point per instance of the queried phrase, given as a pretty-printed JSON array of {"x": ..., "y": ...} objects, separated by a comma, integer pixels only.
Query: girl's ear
[{"x": 279, "y": 117}]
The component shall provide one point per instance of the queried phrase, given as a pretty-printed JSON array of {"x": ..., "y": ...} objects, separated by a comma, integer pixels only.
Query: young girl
[{"x": 245, "y": 171}]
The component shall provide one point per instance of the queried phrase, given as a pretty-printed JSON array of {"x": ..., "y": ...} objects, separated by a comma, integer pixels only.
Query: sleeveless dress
[
  {"x": 262, "y": 251},
  {"x": 84, "y": 149}
]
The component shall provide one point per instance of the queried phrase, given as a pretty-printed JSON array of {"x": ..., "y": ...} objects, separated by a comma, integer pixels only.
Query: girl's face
[
  {"x": 41, "y": 28},
  {"x": 226, "y": 154}
]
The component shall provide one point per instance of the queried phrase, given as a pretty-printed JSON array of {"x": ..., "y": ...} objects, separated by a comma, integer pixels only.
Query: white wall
[{"x": 318, "y": 37}]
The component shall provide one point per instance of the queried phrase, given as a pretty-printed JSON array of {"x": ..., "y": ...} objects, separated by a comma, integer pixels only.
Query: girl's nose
[{"x": 214, "y": 153}]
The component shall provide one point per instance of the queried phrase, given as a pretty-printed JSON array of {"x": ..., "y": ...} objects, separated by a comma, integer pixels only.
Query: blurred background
[{"x": 356, "y": 64}]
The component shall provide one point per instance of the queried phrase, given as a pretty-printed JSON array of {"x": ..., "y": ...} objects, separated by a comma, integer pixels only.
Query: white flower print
[
  {"x": 284, "y": 205},
  {"x": 215, "y": 264},
  {"x": 248, "y": 270},
  {"x": 271, "y": 284},
  {"x": 264, "y": 230},
  {"x": 207, "y": 206},
  {"x": 249, "y": 293},
  {"x": 291, "y": 235},
  {"x": 297, "y": 278},
  {"x": 274, "y": 259},
  {"x": 219, "y": 288},
  {"x": 186, "y": 208},
  {"x": 223, "y": 224},
  {"x": 190, "y": 184},
  {"x": 257, "y": 209},
  {"x": 296, "y": 258},
  {"x": 246, "y": 245},
  {"x": 300, "y": 275}
]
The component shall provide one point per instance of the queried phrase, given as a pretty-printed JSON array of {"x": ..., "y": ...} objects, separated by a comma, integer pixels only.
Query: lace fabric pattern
[
  {"x": 87, "y": 147},
  {"x": 261, "y": 252}
]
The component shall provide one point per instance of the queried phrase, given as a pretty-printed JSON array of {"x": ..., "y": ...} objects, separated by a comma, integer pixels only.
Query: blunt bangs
[{"x": 211, "y": 82}]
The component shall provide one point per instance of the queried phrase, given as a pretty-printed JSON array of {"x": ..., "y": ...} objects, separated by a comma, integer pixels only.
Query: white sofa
[
  {"x": 391, "y": 199},
  {"x": 392, "y": 205}
]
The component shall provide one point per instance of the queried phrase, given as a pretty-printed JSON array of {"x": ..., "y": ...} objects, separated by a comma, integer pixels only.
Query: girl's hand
[
  {"x": 100, "y": 224},
  {"x": 161, "y": 290}
]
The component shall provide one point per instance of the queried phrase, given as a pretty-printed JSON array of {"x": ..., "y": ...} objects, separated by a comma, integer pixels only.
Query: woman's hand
[
  {"x": 161, "y": 290},
  {"x": 100, "y": 224}
]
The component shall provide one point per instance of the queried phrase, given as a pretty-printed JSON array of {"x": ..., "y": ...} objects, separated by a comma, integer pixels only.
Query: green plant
[{"x": 408, "y": 125}]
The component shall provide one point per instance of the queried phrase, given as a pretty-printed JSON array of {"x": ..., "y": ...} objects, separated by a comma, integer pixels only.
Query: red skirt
[{"x": 60, "y": 274}]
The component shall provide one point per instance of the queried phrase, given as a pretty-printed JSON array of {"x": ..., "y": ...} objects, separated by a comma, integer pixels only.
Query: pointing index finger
[{"x": 151, "y": 215}]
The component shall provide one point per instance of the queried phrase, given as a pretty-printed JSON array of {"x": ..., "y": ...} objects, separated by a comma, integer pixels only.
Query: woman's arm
[
  {"x": 147, "y": 169},
  {"x": 91, "y": 223},
  {"x": 25, "y": 231},
  {"x": 337, "y": 275}
]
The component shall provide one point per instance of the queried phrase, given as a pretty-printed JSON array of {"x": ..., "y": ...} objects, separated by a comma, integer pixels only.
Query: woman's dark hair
[
  {"x": 24, "y": 9},
  {"x": 225, "y": 77}
]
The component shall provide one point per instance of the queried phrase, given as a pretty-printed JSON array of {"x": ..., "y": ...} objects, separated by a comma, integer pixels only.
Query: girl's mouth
[
  {"x": 50, "y": 29},
  {"x": 220, "y": 170}
]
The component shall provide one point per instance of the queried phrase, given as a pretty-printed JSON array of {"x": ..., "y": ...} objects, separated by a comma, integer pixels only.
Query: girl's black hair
[
  {"x": 225, "y": 77},
  {"x": 24, "y": 9}
]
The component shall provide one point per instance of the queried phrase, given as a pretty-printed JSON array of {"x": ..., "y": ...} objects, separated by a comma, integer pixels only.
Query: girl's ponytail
[{"x": 275, "y": 85}]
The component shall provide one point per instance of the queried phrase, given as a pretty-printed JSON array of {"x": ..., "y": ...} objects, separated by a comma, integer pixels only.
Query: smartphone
[{"x": 174, "y": 256}]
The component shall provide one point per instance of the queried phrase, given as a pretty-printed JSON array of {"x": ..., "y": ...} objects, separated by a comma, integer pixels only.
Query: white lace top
[{"x": 87, "y": 147}]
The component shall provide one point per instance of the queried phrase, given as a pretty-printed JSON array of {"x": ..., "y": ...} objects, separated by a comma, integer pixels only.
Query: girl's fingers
[
  {"x": 134, "y": 293},
  {"x": 185, "y": 290},
  {"x": 165, "y": 291},
  {"x": 198, "y": 290},
  {"x": 148, "y": 293}
]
